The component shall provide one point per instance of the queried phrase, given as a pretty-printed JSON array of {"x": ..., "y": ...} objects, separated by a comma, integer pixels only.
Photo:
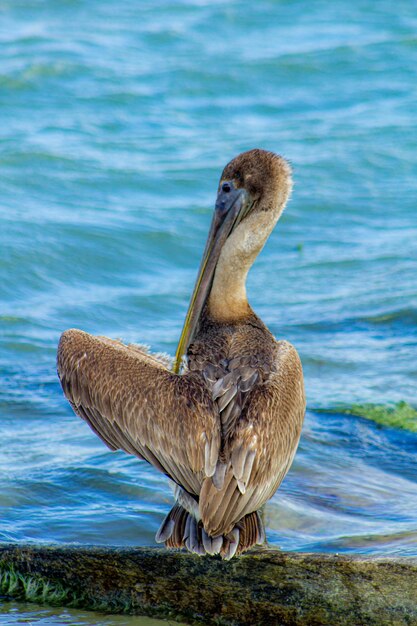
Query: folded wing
[{"x": 261, "y": 448}]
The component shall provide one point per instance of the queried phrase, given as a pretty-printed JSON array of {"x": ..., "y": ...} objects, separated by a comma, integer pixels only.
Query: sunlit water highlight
[{"x": 116, "y": 122}]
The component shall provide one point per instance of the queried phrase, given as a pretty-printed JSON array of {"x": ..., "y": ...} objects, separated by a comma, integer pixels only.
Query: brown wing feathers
[{"x": 134, "y": 403}]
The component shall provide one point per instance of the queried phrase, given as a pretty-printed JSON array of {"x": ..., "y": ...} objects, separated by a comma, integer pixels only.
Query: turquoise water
[{"x": 116, "y": 120}]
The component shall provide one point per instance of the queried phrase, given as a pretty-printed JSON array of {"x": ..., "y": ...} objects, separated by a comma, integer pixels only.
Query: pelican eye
[{"x": 226, "y": 187}]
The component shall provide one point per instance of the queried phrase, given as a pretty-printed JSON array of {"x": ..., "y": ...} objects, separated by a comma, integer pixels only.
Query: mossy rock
[{"x": 263, "y": 587}]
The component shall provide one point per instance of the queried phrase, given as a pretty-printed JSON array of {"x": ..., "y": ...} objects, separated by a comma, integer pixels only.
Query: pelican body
[{"x": 225, "y": 422}]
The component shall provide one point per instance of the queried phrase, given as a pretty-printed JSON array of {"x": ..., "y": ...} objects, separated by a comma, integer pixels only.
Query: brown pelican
[{"x": 224, "y": 424}]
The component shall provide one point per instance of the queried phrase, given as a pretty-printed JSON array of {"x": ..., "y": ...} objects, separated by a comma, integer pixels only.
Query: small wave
[
  {"x": 30, "y": 76},
  {"x": 408, "y": 315}
]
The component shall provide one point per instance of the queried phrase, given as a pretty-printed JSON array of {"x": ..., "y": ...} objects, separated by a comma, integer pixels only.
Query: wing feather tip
[
  {"x": 219, "y": 475},
  {"x": 165, "y": 530}
]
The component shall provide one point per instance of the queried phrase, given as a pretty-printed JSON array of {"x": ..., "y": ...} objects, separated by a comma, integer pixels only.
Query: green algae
[
  {"x": 19, "y": 586},
  {"x": 401, "y": 415}
]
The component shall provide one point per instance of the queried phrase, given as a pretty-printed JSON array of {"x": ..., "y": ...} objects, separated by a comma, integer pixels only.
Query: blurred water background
[{"x": 116, "y": 120}]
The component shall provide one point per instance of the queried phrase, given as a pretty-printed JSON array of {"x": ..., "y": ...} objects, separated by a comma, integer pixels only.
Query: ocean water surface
[
  {"x": 28, "y": 613},
  {"x": 116, "y": 121}
]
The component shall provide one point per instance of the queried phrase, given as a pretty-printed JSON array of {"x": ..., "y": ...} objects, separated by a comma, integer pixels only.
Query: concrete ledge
[{"x": 263, "y": 587}]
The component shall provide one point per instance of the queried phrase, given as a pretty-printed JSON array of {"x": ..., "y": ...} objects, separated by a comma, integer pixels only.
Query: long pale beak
[{"x": 231, "y": 205}]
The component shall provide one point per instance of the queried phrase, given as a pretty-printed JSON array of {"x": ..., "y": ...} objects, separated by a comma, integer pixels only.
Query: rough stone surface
[{"x": 263, "y": 587}]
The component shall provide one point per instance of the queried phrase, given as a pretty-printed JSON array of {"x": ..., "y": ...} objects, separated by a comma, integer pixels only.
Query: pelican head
[{"x": 253, "y": 190}]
